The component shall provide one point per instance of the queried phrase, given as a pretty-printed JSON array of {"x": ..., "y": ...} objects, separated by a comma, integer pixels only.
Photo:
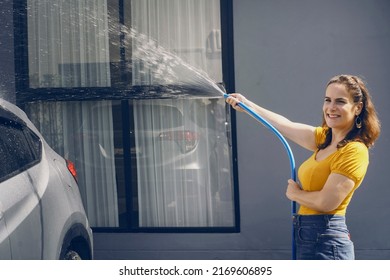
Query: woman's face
[{"x": 339, "y": 110}]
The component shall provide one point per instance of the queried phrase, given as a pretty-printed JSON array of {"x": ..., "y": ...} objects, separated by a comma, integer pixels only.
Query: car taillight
[
  {"x": 187, "y": 140},
  {"x": 72, "y": 169}
]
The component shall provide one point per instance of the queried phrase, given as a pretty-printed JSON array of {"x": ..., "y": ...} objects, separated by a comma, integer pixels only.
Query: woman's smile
[{"x": 333, "y": 116}]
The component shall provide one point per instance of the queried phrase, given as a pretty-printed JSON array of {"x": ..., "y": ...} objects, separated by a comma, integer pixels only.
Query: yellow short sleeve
[
  {"x": 320, "y": 135},
  {"x": 352, "y": 161}
]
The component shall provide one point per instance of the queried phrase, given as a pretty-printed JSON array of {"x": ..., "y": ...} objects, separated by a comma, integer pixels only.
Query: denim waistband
[{"x": 320, "y": 220}]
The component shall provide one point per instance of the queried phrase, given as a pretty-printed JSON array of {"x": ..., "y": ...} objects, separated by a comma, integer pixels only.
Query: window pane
[
  {"x": 83, "y": 132},
  {"x": 183, "y": 167},
  {"x": 68, "y": 43},
  {"x": 173, "y": 40}
]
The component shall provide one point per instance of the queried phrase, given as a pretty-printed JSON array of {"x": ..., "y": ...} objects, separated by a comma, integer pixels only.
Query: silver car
[{"x": 41, "y": 212}]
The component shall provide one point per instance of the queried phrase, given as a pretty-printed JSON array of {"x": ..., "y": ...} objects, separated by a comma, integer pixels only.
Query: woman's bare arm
[{"x": 302, "y": 134}]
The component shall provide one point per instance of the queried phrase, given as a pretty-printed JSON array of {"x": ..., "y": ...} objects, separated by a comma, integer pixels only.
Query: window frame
[{"x": 25, "y": 94}]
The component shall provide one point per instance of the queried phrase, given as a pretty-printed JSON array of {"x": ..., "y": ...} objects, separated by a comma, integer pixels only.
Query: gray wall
[{"x": 285, "y": 53}]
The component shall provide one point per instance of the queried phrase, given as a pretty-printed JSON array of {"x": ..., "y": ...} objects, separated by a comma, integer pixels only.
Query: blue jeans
[{"x": 322, "y": 237}]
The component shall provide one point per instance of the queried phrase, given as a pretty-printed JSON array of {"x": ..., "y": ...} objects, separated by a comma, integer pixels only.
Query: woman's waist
[
  {"x": 320, "y": 220},
  {"x": 339, "y": 211}
]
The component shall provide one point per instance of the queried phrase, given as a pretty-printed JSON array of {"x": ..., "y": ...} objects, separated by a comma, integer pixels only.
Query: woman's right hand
[{"x": 234, "y": 99}]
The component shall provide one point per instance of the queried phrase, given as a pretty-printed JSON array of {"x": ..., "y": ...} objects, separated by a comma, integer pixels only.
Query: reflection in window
[{"x": 183, "y": 167}]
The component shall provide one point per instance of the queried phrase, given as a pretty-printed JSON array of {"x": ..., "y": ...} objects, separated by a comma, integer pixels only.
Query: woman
[{"x": 336, "y": 168}]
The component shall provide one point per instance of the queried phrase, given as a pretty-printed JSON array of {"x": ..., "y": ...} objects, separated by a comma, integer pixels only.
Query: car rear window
[{"x": 19, "y": 149}]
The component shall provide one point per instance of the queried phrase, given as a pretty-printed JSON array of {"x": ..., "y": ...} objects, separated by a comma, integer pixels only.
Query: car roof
[{"x": 11, "y": 113}]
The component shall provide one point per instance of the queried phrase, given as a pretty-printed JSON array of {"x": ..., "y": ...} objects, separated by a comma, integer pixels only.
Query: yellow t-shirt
[{"x": 351, "y": 161}]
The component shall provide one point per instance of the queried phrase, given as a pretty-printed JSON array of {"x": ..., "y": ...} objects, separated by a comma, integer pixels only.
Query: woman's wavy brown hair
[{"x": 371, "y": 127}]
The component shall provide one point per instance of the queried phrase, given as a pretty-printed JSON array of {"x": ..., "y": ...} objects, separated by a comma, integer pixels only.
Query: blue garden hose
[{"x": 290, "y": 155}]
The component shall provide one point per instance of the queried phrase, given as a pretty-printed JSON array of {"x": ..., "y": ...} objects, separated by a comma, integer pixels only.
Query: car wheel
[{"x": 72, "y": 255}]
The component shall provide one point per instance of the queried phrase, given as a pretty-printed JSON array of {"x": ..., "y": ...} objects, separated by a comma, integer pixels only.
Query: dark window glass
[{"x": 16, "y": 151}]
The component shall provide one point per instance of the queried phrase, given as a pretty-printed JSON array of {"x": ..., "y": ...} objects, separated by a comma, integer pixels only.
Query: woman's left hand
[{"x": 293, "y": 190}]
